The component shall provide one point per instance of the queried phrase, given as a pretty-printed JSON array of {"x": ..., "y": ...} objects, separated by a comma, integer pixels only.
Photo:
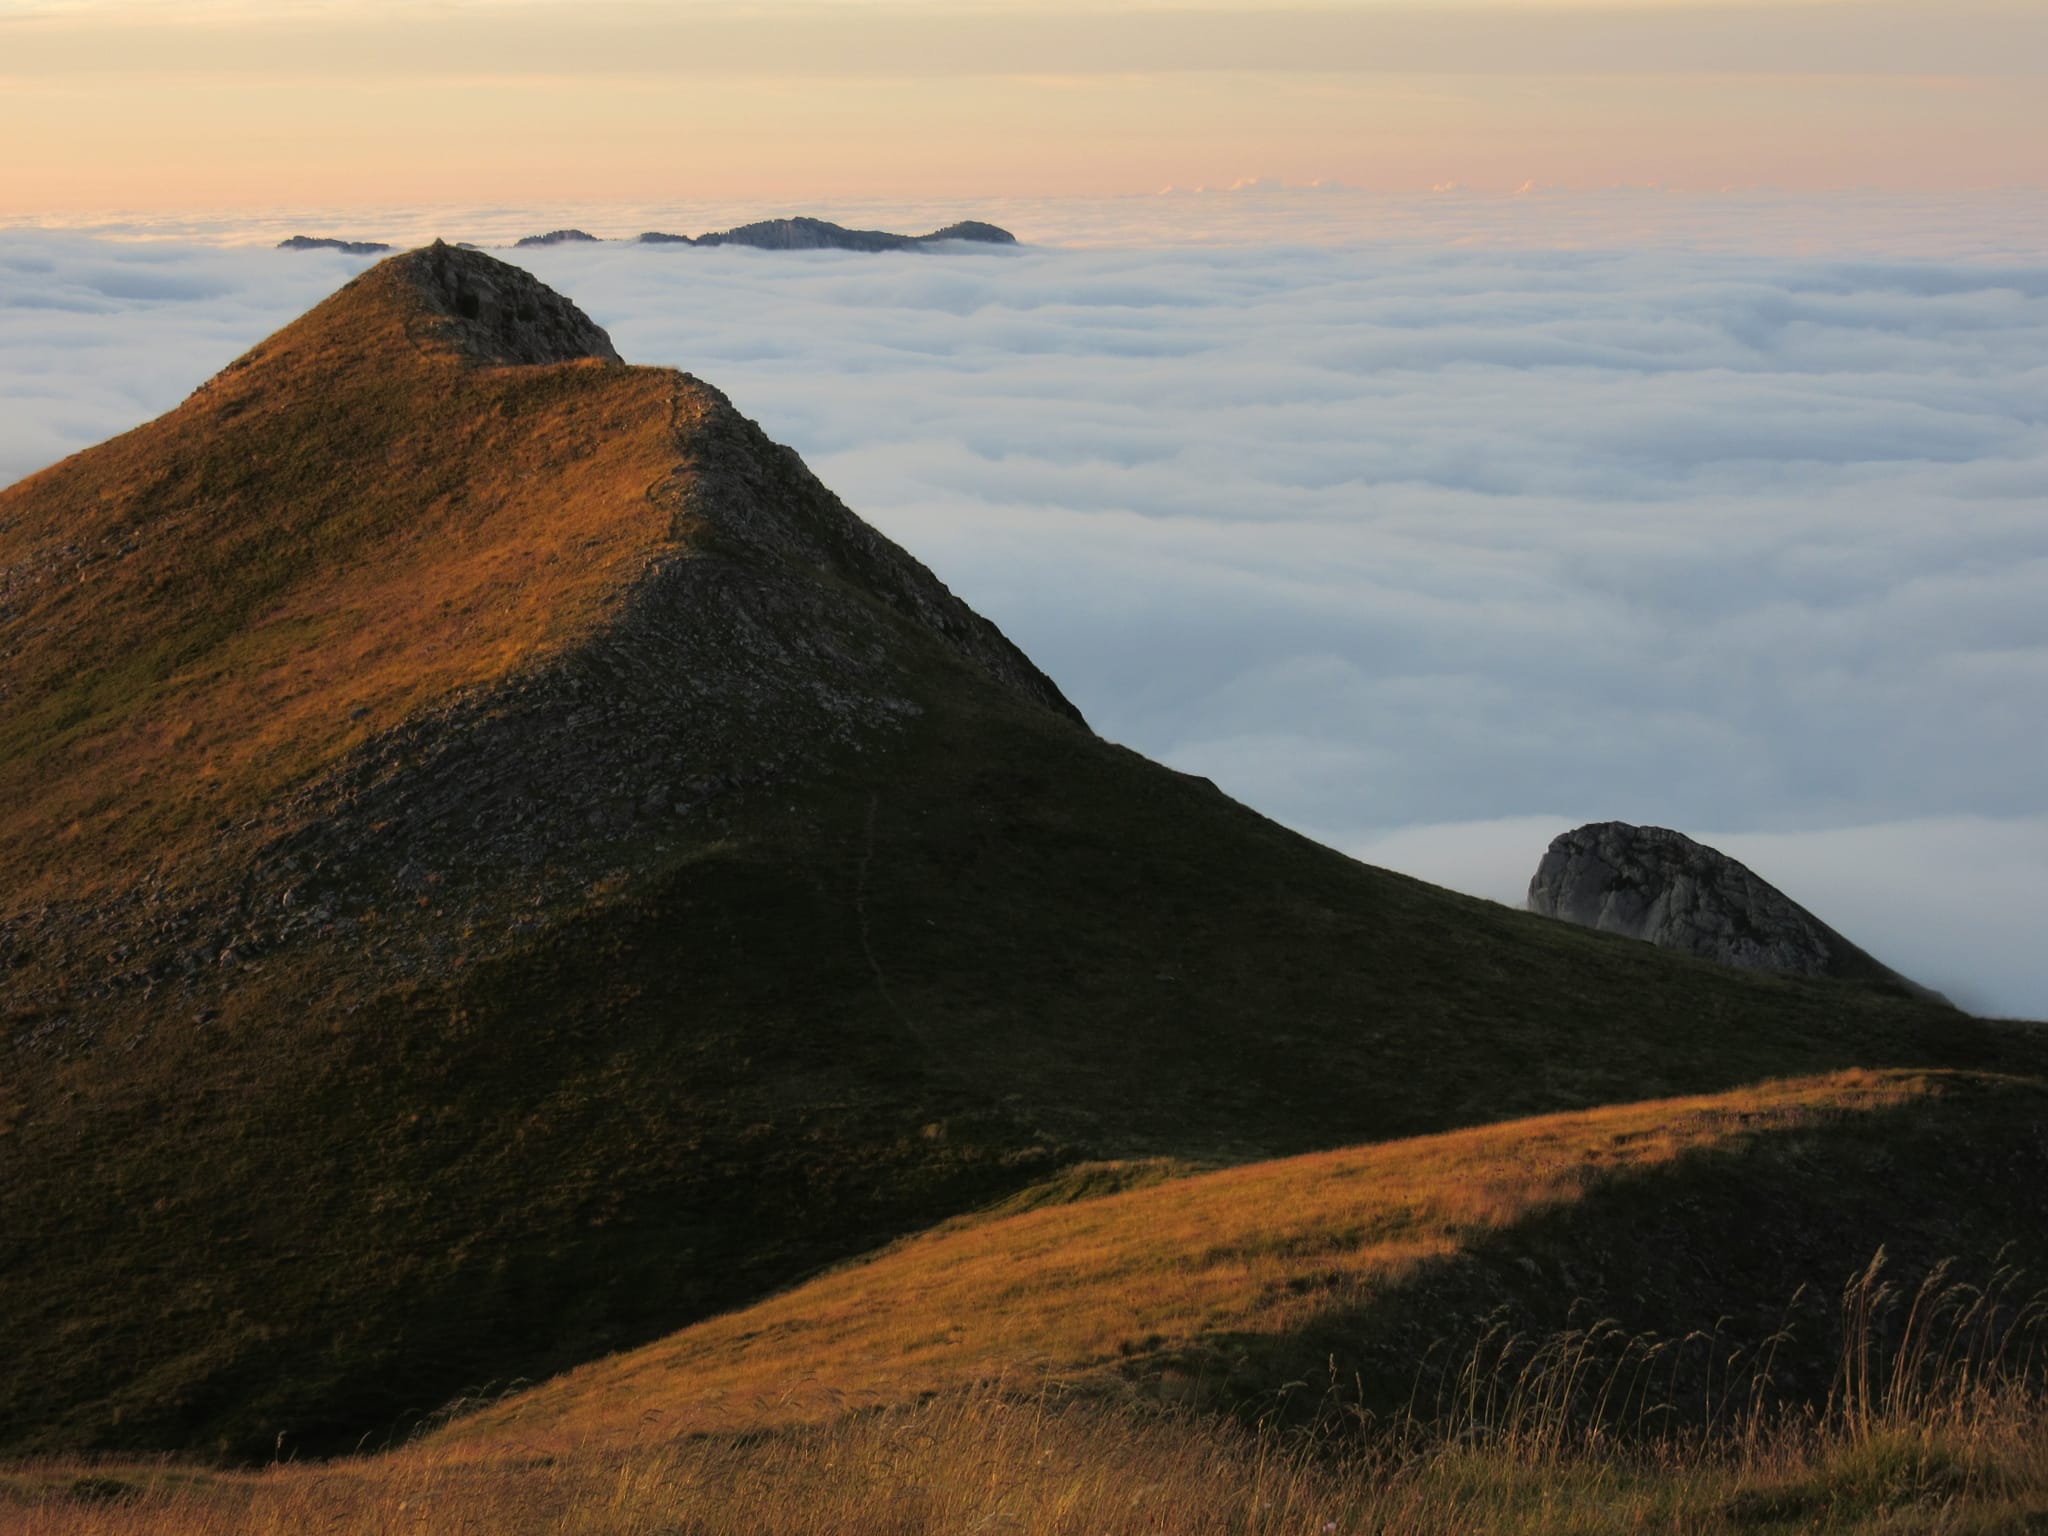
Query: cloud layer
[{"x": 1482, "y": 539}]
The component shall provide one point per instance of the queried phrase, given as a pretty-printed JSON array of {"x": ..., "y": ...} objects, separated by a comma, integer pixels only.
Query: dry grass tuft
[{"x": 1936, "y": 1429}]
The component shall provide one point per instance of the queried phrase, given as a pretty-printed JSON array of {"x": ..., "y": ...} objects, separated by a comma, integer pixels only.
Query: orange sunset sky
[{"x": 160, "y": 104}]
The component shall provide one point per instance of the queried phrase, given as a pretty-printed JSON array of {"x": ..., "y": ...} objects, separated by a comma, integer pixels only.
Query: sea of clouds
[{"x": 1429, "y": 528}]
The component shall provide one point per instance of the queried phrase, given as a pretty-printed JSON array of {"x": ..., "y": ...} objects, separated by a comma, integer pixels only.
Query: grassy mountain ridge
[{"x": 532, "y": 870}]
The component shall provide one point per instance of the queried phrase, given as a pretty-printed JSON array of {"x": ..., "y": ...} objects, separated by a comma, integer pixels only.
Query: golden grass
[
  {"x": 1085, "y": 1287},
  {"x": 1935, "y": 1424},
  {"x": 333, "y": 536},
  {"x": 1030, "y": 1464}
]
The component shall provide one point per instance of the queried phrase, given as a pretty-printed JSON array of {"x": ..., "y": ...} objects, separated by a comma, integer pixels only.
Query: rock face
[{"x": 1655, "y": 884}]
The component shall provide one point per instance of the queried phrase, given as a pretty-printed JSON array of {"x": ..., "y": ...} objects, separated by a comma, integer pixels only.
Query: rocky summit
[
  {"x": 498, "y": 313},
  {"x": 1658, "y": 885}
]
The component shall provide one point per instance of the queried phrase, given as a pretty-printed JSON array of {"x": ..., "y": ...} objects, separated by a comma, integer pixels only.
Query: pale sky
[{"x": 157, "y": 104}]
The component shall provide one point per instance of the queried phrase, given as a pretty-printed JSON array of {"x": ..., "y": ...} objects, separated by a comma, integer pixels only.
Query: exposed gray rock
[
  {"x": 1655, "y": 884},
  {"x": 499, "y": 313}
]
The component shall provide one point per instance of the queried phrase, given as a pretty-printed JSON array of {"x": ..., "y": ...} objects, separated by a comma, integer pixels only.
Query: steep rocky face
[{"x": 1658, "y": 885}]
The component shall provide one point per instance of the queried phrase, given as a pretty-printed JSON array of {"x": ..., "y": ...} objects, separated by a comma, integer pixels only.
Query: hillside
[
  {"x": 499, "y": 864},
  {"x": 1366, "y": 1270}
]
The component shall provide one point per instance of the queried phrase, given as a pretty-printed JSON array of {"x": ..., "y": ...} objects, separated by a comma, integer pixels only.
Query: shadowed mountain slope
[{"x": 497, "y": 863}]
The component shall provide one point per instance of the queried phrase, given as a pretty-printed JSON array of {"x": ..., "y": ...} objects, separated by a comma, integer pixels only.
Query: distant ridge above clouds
[
  {"x": 329, "y": 243},
  {"x": 2009, "y": 227},
  {"x": 806, "y": 234},
  {"x": 558, "y": 237},
  {"x": 800, "y": 233}
]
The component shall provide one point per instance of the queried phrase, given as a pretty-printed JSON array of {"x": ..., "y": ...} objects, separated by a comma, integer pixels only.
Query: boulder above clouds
[{"x": 1655, "y": 884}]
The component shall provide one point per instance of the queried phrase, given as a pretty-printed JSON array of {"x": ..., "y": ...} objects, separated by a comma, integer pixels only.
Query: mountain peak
[
  {"x": 493, "y": 311},
  {"x": 426, "y": 513}
]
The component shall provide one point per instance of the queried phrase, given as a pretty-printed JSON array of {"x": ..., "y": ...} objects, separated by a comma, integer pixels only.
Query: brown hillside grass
[
  {"x": 1127, "y": 1283},
  {"x": 1931, "y": 1430},
  {"x": 289, "y": 571}
]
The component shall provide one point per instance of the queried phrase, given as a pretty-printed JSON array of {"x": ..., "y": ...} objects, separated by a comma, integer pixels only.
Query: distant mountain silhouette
[
  {"x": 558, "y": 237},
  {"x": 804, "y": 234},
  {"x": 794, "y": 234},
  {"x": 328, "y": 243}
]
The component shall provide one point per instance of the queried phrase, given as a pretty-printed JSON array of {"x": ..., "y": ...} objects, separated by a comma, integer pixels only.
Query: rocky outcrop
[
  {"x": 499, "y": 313},
  {"x": 328, "y": 243},
  {"x": 1658, "y": 885}
]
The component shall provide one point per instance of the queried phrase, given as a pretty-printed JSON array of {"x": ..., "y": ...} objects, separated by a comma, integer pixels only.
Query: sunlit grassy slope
[
  {"x": 994, "y": 1462},
  {"x": 342, "y": 530},
  {"x": 1926, "y": 1413},
  {"x": 506, "y": 866},
  {"x": 1225, "y": 1286}
]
